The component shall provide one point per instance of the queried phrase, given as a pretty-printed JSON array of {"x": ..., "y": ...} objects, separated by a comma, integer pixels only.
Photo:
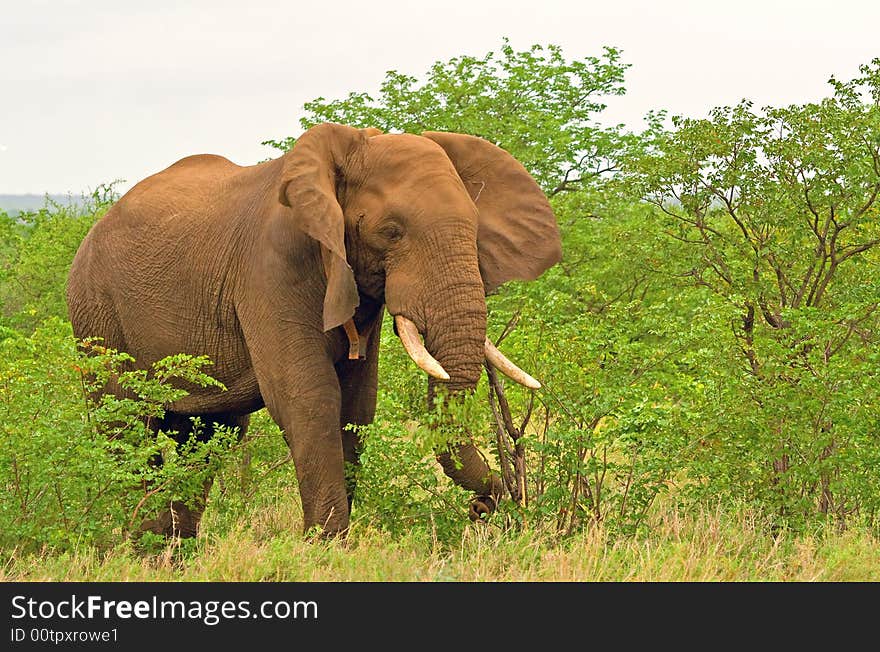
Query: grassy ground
[{"x": 709, "y": 547}]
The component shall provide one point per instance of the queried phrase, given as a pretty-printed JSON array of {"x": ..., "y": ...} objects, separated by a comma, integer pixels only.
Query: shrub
[{"x": 79, "y": 470}]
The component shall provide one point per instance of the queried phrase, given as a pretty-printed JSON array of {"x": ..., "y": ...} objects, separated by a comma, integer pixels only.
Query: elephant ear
[
  {"x": 517, "y": 237},
  {"x": 309, "y": 179}
]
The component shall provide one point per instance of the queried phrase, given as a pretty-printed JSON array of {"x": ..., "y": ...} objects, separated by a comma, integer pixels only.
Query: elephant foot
[
  {"x": 317, "y": 535},
  {"x": 177, "y": 521},
  {"x": 481, "y": 507}
]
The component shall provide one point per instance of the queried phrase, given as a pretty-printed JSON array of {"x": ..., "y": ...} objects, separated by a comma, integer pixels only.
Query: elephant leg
[
  {"x": 358, "y": 380},
  {"x": 306, "y": 405},
  {"x": 181, "y": 519}
]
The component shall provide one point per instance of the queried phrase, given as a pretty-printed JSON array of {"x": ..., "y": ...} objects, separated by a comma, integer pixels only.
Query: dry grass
[{"x": 708, "y": 547}]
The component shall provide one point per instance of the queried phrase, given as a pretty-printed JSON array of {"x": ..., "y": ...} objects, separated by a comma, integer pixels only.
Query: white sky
[{"x": 97, "y": 90}]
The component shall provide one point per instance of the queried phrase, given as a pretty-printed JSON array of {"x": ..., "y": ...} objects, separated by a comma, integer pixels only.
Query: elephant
[{"x": 280, "y": 273}]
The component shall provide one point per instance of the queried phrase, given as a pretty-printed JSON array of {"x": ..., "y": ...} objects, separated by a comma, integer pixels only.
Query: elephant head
[{"x": 428, "y": 225}]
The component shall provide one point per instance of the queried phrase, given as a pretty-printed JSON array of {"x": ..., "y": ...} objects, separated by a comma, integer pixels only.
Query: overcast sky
[{"x": 97, "y": 90}]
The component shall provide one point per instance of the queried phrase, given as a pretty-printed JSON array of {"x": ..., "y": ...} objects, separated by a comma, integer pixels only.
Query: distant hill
[{"x": 14, "y": 204}]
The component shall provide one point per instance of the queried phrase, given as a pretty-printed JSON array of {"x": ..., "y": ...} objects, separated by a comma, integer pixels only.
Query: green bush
[
  {"x": 36, "y": 251},
  {"x": 79, "y": 470}
]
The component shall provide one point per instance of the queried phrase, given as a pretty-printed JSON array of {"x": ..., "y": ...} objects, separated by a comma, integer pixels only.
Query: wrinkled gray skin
[{"x": 257, "y": 267}]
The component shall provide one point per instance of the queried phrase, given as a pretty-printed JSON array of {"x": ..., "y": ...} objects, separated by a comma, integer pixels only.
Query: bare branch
[{"x": 851, "y": 250}]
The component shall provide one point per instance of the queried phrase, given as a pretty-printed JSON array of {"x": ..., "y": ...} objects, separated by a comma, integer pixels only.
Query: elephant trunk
[
  {"x": 444, "y": 301},
  {"x": 456, "y": 337}
]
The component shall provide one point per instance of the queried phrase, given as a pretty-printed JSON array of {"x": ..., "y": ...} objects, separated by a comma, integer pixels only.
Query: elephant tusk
[
  {"x": 409, "y": 336},
  {"x": 505, "y": 366}
]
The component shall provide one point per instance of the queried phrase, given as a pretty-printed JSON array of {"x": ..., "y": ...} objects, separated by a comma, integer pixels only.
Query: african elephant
[{"x": 279, "y": 272}]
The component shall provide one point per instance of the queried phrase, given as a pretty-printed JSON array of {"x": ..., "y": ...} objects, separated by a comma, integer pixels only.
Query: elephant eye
[{"x": 392, "y": 231}]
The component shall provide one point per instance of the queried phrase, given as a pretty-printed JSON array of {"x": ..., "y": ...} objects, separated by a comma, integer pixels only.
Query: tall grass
[{"x": 708, "y": 546}]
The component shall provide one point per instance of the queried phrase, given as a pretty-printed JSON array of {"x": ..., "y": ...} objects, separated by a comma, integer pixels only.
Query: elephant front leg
[
  {"x": 317, "y": 452},
  {"x": 310, "y": 421}
]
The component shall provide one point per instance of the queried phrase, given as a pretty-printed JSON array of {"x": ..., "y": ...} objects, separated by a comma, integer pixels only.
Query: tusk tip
[
  {"x": 505, "y": 366},
  {"x": 412, "y": 343}
]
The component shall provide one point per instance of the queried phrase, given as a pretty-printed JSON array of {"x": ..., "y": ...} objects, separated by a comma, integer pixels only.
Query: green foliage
[
  {"x": 80, "y": 470},
  {"x": 773, "y": 216},
  {"x": 256, "y": 477},
  {"x": 535, "y": 103},
  {"x": 400, "y": 487},
  {"x": 36, "y": 250}
]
